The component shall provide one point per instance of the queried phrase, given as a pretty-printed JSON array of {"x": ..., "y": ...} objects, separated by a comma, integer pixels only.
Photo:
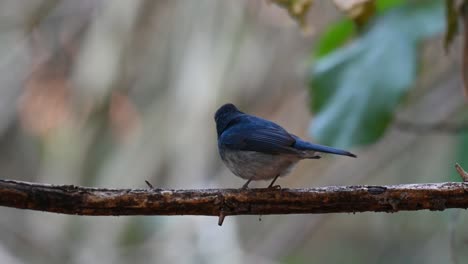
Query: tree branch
[
  {"x": 69, "y": 199},
  {"x": 463, "y": 174}
]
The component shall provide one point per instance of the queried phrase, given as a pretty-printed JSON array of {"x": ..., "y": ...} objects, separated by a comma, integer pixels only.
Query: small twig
[
  {"x": 221, "y": 217},
  {"x": 463, "y": 174},
  {"x": 149, "y": 184}
]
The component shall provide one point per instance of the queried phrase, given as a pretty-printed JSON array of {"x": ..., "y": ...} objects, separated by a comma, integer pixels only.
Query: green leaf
[
  {"x": 334, "y": 37},
  {"x": 356, "y": 89},
  {"x": 342, "y": 31},
  {"x": 385, "y": 5},
  {"x": 339, "y": 33}
]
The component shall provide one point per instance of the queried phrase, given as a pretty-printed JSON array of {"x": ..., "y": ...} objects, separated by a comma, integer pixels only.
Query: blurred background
[{"x": 113, "y": 93}]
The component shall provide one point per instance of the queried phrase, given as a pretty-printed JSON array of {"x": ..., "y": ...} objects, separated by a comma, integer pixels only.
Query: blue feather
[{"x": 304, "y": 145}]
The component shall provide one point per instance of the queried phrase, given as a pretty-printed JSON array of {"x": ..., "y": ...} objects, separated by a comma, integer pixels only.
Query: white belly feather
[{"x": 256, "y": 165}]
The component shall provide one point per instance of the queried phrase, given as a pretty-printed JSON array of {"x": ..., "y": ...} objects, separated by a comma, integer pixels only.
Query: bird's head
[{"x": 224, "y": 115}]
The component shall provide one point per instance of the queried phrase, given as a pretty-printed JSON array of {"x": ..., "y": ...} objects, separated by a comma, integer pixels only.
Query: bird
[{"x": 256, "y": 149}]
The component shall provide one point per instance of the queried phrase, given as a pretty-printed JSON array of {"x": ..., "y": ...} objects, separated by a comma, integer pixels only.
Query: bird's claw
[{"x": 276, "y": 187}]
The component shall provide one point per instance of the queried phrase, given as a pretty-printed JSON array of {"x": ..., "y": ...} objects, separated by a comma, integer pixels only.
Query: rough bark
[{"x": 69, "y": 199}]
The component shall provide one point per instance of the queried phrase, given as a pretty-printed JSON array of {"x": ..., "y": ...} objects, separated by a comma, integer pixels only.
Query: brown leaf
[{"x": 297, "y": 9}]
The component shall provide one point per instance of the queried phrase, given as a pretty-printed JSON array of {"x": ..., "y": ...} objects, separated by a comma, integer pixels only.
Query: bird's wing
[{"x": 259, "y": 137}]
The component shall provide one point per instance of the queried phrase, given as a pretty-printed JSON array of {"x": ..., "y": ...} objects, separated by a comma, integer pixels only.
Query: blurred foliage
[
  {"x": 343, "y": 30},
  {"x": 462, "y": 150},
  {"x": 461, "y": 155},
  {"x": 451, "y": 18},
  {"x": 357, "y": 88},
  {"x": 297, "y": 9},
  {"x": 334, "y": 37},
  {"x": 457, "y": 218},
  {"x": 385, "y": 5},
  {"x": 360, "y": 11},
  {"x": 136, "y": 232}
]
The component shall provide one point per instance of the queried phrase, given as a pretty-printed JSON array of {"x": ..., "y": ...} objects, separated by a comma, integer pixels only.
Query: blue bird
[{"x": 255, "y": 149}]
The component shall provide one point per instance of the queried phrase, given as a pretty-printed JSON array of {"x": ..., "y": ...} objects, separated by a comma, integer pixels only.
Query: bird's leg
[
  {"x": 273, "y": 181},
  {"x": 246, "y": 184}
]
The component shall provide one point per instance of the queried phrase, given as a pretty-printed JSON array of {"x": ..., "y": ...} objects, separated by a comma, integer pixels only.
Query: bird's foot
[
  {"x": 246, "y": 184},
  {"x": 271, "y": 186},
  {"x": 276, "y": 187}
]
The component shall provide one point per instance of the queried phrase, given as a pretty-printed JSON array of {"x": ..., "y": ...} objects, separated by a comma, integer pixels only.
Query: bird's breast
[{"x": 257, "y": 165}]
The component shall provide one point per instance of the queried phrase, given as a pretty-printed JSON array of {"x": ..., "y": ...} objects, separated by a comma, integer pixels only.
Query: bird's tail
[{"x": 303, "y": 145}]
